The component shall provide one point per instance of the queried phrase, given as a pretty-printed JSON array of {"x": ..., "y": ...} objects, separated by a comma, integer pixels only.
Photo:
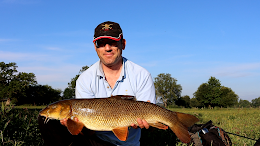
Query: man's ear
[{"x": 123, "y": 44}]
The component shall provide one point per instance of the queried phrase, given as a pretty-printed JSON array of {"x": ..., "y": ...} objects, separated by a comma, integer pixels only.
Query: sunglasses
[{"x": 102, "y": 43}]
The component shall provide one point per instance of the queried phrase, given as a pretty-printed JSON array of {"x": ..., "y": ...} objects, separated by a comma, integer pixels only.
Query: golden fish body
[{"x": 117, "y": 114}]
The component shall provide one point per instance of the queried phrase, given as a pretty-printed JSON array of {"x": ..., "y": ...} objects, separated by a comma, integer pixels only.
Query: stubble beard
[{"x": 113, "y": 63}]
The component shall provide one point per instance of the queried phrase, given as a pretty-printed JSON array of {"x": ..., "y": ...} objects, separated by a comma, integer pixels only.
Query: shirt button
[{"x": 107, "y": 86}]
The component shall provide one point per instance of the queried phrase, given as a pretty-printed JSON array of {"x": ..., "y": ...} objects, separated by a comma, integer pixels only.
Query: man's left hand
[{"x": 141, "y": 123}]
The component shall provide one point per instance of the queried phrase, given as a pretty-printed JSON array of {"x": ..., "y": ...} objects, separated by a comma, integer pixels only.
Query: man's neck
[
  {"x": 112, "y": 73},
  {"x": 113, "y": 69}
]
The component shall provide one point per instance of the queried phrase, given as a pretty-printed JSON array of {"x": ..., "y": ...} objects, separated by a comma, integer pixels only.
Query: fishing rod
[
  {"x": 209, "y": 124},
  {"x": 241, "y": 136}
]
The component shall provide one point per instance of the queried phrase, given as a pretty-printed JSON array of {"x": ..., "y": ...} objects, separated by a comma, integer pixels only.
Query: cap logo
[{"x": 106, "y": 27}]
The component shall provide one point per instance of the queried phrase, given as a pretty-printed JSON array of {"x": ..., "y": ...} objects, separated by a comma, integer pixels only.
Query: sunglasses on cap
[{"x": 102, "y": 43}]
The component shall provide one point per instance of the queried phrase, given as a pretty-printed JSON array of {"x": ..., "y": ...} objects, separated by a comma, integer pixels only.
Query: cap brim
[{"x": 107, "y": 37}]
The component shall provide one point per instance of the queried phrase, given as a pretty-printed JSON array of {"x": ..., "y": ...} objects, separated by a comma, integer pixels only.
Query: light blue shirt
[{"x": 134, "y": 80}]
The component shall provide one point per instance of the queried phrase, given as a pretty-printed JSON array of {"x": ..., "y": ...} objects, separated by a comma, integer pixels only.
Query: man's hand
[
  {"x": 141, "y": 123},
  {"x": 64, "y": 121}
]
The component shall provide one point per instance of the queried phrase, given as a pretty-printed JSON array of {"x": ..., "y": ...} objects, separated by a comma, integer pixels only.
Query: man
[{"x": 115, "y": 75}]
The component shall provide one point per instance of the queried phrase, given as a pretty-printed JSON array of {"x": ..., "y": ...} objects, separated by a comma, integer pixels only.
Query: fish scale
[{"x": 117, "y": 114}]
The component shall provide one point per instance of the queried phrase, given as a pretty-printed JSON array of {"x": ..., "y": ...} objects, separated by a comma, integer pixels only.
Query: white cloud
[
  {"x": 57, "y": 77},
  {"x": 13, "y": 56},
  {"x": 61, "y": 70},
  {"x": 32, "y": 57},
  {"x": 238, "y": 70},
  {"x": 222, "y": 69},
  {"x": 7, "y": 40},
  {"x": 49, "y": 69}
]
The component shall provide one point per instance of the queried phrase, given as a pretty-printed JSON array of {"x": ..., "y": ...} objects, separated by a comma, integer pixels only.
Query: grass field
[
  {"x": 18, "y": 126},
  {"x": 241, "y": 121},
  {"x": 30, "y": 107}
]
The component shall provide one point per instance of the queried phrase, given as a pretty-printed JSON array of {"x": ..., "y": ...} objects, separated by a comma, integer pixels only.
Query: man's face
[{"x": 109, "y": 51}]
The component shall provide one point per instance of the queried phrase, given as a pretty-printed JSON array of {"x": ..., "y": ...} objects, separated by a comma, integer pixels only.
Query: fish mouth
[
  {"x": 42, "y": 114},
  {"x": 46, "y": 118}
]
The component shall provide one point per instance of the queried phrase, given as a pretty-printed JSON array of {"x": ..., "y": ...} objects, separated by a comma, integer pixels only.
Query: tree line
[
  {"x": 22, "y": 88},
  {"x": 209, "y": 94}
]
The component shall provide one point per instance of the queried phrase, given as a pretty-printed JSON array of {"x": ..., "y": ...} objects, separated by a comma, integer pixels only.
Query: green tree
[
  {"x": 69, "y": 92},
  {"x": 213, "y": 94},
  {"x": 228, "y": 97},
  {"x": 40, "y": 95},
  {"x": 244, "y": 103},
  {"x": 13, "y": 84},
  {"x": 167, "y": 88},
  {"x": 195, "y": 103},
  {"x": 184, "y": 101},
  {"x": 209, "y": 93},
  {"x": 256, "y": 102}
]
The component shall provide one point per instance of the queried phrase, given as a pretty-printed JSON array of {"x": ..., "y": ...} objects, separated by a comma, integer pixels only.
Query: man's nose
[{"x": 107, "y": 47}]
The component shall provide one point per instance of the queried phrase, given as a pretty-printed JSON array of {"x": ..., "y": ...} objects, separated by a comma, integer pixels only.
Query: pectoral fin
[
  {"x": 158, "y": 125},
  {"x": 74, "y": 127},
  {"x": 121, "y": 133}
]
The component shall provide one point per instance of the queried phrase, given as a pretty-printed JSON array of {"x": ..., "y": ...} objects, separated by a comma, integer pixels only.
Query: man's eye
[
  {"x": 103, "y": 43},
  {"x": 113, "y": 44}
]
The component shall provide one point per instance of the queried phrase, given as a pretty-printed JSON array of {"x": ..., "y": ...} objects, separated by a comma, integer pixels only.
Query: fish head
[{"x": 58, "y": 110}]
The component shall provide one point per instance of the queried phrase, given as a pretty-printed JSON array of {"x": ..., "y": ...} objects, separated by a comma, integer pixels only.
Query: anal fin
[
  {"x": 158, "y": 125},
  {"x": 74, "y": 127},
  {"x": 121, "y": 133}
]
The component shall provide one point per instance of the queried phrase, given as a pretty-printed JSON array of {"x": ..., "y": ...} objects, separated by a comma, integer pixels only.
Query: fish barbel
[{"x": 117, "y": 114}]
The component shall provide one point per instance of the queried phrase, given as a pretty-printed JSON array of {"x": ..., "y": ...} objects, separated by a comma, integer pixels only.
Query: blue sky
[{"x": 190, "y": 39}]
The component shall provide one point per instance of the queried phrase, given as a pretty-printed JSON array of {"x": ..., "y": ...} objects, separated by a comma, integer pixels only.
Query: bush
[{"x": 19, "y": 126}]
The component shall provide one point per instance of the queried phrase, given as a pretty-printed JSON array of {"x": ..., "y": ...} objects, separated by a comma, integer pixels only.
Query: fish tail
[{"x": 180, "y": 127}]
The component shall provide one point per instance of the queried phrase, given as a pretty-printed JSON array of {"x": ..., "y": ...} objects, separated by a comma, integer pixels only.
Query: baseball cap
[{"x": 108, "y": 29}]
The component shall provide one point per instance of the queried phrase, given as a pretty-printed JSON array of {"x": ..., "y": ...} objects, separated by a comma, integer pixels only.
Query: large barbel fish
[{"x": 116, "y": 114}]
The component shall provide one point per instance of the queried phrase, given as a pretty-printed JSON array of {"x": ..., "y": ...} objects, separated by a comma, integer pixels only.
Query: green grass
[
  {"x": 241, "y": 121},
  {"x": 19, "y": 127},
  {"x": 29, "y": 107}
]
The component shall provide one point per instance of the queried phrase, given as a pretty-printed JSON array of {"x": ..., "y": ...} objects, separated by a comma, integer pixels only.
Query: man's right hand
[{"x": 64, "y": 121}]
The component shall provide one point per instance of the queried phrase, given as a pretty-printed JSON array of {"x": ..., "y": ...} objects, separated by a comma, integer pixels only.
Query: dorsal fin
[{"x": 124, "y": 97}]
